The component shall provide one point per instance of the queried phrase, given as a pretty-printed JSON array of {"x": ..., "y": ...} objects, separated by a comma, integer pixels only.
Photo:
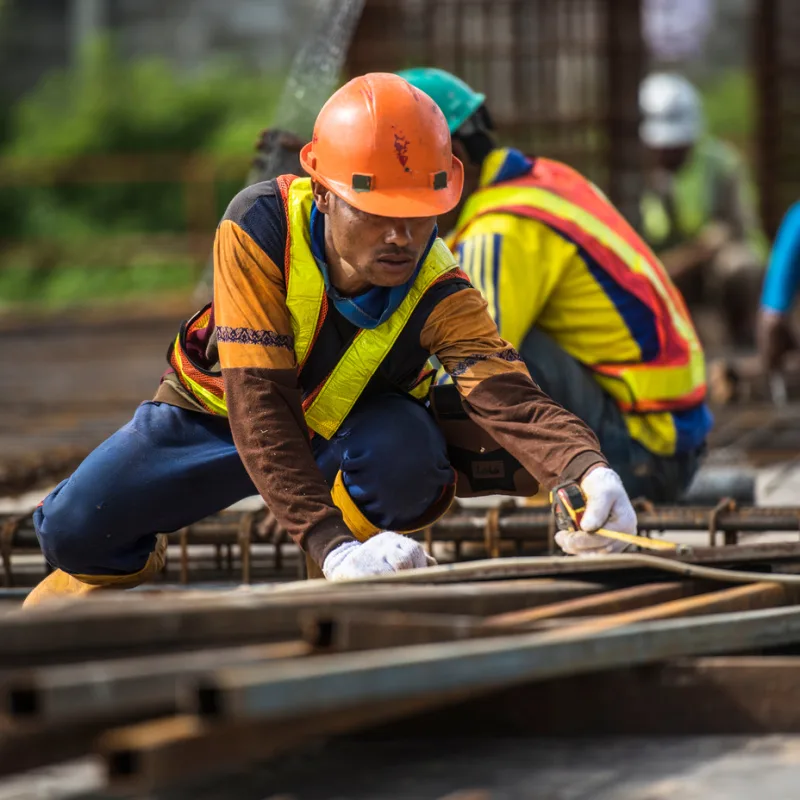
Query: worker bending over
[
  {"x": 305, "y": 379},
  {"x": 698, "y": 212},
  {"x": 569, "y": 284}
]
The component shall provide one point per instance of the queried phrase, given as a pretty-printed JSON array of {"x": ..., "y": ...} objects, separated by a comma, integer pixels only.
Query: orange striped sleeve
[
  {"x": 252, "y": 318},
  {"x": 464, "y": 337}
]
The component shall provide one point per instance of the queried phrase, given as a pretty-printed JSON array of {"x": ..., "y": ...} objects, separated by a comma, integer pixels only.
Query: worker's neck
[{"x": 343, "y": 276}]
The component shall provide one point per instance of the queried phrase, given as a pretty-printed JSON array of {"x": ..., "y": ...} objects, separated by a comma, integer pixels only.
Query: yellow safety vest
[
  {"x": 563, "y": 199},
  {"x": 329, "y": 404}
]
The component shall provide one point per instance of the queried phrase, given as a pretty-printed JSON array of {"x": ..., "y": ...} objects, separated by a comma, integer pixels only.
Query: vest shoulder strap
[
  {"x": 329, "y": 406},
  {"x": 305, "y": 288}
]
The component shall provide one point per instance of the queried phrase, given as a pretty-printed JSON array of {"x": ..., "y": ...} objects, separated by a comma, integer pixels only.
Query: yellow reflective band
[
  {"x": 664, "y": 383},
  {"x": 421, "y": 391},
  {"x": 501, "y": 196},
  {"x": 216, "y": 404},
  {"x": 306, "y": 288},
  {"x": 488, "y": 287},
  {"x": 354, "y": 371}
]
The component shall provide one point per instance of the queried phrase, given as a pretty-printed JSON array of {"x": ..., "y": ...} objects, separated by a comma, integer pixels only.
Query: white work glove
[
  {"x": 607, "y": 506},
  {"x": 382, "y": 554}
]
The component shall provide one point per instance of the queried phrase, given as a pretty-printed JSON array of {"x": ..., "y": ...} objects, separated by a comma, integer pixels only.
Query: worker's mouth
[{"x": 396, "y": 263}]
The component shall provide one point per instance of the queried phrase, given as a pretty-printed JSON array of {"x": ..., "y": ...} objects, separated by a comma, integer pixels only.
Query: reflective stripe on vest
[
  {"x": 206, "y": 387},
  {"x": 328, "y": 405},
  {"x": 561, "y": 198}
]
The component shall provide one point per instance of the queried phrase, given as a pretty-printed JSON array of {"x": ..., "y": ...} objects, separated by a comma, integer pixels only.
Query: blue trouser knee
[
  {"x": 393, "y": 459},
  {"x": 168, "y": 468},
  {"x": 644, "y": 474}
]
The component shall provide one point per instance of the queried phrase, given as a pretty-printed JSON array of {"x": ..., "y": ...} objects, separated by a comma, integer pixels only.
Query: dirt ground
[{"x": 71, "y": 380}]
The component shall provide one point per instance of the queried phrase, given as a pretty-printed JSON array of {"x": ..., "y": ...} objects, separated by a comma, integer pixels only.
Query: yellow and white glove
[
  {"x": 607, "y": 506},
  {"x": 382, "y": 554}
]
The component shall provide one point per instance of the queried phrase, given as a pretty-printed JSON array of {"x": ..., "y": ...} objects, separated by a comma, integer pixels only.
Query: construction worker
[
  {"x": 305, "y": 380},
  {"x": 697, "y": 212},
  {"x": 587, "y": 304},
  {"x": 775, "y": 333}
]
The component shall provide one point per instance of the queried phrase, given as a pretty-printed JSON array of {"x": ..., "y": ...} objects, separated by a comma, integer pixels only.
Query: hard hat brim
[
  {"x": 659, "y": 133},
  {"x": 409, "y": 202}
]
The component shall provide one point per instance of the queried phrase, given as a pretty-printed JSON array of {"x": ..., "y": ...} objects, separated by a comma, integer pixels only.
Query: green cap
[{"x": 457, "y": 101}]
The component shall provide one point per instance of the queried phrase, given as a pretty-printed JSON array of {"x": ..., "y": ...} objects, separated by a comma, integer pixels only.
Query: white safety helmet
[{"x": 671, "y": 112}]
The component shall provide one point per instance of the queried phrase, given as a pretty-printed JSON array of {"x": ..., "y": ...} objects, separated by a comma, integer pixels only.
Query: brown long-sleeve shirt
[{"x": 253, "y": 343}]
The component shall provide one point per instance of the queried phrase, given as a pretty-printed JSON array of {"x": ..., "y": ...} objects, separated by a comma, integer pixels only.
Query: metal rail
[
  {"x": 286, "y": 690},
  {"x": 247, "y": 547},
  {"x": 372, "y": 653}
]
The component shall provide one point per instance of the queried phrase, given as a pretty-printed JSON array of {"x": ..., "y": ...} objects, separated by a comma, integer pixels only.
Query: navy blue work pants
[{"x": 169, "y": 467}]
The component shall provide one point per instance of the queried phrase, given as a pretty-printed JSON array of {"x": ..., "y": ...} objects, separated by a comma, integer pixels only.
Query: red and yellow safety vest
[
  {"x": 328, "y": 404},
  {"x": 560, "y": 197}
]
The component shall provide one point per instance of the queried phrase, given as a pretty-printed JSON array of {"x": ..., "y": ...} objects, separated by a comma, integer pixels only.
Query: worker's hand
[
  {"x": 607, "y": 506},
  {"x": 380, "y": 555},
  {"x": 775, "y": 339}
]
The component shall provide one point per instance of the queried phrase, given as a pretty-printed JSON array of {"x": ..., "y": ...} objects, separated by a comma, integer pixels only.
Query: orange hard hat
[{"x": 384, "y": 147}]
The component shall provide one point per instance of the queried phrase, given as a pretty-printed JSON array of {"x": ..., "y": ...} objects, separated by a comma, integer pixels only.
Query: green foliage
[
  {"x": 109, "y": 107},
  {"x": 729, "y": 105},
  {"x": 72, "y": 284}
]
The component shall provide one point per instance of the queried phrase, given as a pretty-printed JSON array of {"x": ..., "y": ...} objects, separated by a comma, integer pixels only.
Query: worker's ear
[
  {"x": 460, "y": 151},
  {"x": 322, "y": 197}
]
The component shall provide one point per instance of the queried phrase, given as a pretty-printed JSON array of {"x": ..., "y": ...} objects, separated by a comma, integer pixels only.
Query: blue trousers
[
  {"x": 661, "y": 479},
  {"x": 169, "y": 467}
]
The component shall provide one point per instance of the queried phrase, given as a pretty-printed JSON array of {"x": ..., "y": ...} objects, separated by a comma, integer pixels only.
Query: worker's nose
[{"x": 399, "y": 233}]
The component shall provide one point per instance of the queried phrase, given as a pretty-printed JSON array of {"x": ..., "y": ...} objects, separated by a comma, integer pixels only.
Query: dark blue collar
[{"x": 377, "y": 304}]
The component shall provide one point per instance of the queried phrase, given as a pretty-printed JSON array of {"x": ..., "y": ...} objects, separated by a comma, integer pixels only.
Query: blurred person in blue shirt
[{"x": 776, "y": 337}]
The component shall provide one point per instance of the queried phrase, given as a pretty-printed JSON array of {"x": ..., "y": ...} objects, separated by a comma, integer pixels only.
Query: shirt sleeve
[
  {"x": 783, "y": 273},
  {"x": 500, "y": 396},
  {"x": 264, "y": 400}
]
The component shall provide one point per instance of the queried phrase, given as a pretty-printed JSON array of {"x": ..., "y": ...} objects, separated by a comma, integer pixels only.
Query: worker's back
[{"x": 548, "y": 250}]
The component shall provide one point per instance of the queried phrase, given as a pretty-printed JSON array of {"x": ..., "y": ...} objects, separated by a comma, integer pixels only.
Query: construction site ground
[{"x": 72, "y": 380}]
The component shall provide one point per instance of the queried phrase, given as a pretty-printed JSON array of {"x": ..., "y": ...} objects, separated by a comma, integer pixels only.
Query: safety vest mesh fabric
[
  {"x": 560, "y": 197},
  {"x": 327, "y": 406}
]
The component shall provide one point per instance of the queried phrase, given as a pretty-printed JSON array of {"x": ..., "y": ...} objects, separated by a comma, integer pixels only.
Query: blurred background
[{"x": 127, "y": 125}]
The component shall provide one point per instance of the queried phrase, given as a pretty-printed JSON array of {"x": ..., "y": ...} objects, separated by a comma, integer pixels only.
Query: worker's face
[
  {"x": 383, "y": 251},
  {"x": 670, "y": 159}
]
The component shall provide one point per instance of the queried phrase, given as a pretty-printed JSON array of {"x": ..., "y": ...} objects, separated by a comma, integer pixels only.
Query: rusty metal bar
[
  {"x": 736, "y": 599},
  {"x": 121, "y": 624},
  {"x": 469, "y": 523},
  {"x": 25, "y": 746},
  {"x": 336, "y": 682},
  {"x": 144, "y": 757},
  {"x": 725, "y": 695},
  {"x": 601, "y": 567},
  {"x": 120, "y": 687},
  {"x": 348, "y": 631},
  {"x": 352, "y": 630},
  {"x": 619, "y": 600}
]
